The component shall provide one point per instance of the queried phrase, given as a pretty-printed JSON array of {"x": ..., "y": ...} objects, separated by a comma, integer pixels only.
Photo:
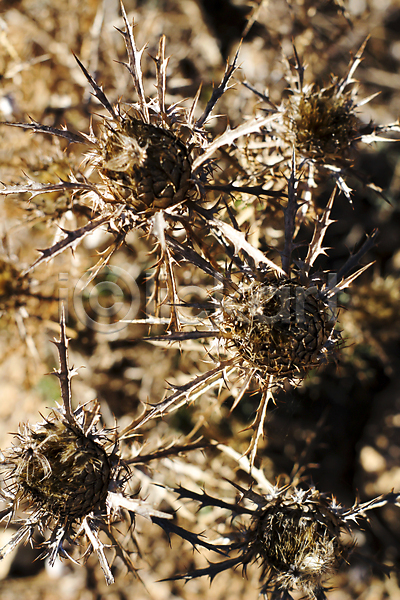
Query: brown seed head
[
  {"x": 298, "y": 540},
  {"x": 59, "y": 470},
  {"x": 145, "y": 166},
  {"x": 281, "y": 327},
  {"x": 323, "y": 122}
]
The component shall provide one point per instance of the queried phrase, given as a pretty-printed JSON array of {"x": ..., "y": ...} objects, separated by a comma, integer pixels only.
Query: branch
[
  {"x": 212, "y": 570},
  {"x": 35, "y": 189},
  {"x": 321, "y": 225},
  {"x": 170, "y": 527},
  {"x": 172, "y": 450},
  {"x": 97, "y": 91},
  {"x": 342, "y": 276},
  {"x": 161, "y": 70},
  {"x": 290, "y": 213},
  {"x": 133, "y": 66},
  {"x": 76, "y": 138},
  {"x": 230, "y": 135},
  {"x": 65, "y": 374},
  {"x": 73, "y": 237},
  {"x": 205, "y": 500},
  {"x": 238, "y": 239},
  {"x": 219, "y": 91},
  {"x": 191, "y": 390}
]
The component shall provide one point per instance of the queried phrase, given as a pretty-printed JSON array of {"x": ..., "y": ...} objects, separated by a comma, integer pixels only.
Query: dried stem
[
  {"x": 65, "y": 373},
  {"x": 161, "y": 68},
  {"x": 219, "y": 91},
  {"x": 290, "y": 219},
  {"x": 133, "y": 65}
]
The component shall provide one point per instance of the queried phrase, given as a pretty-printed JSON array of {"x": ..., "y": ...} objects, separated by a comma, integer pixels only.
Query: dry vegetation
[{"x": 220, "y": 221}]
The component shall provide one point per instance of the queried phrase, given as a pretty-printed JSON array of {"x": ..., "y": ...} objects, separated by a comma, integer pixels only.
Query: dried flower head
[
  {"x": 295, "y": 533},
  {"x": 297, "y": 537},
  {"x": 145, "y": 166},
  {"x": 60, "y": 468},
  {"x": 323, "y": 124},
  {"x": 278, "y": 326}
]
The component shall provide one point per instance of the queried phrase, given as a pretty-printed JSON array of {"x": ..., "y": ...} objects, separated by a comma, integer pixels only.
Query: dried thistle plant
[
  {"x": 67, "y": 475},
  {"x": 271, "y": 318},
  {"x": 323, "y": 125},
  {"x": 298, "y": 535},
  {"x": 270, "y": 323},
  {"x": 150, "y": 166}
]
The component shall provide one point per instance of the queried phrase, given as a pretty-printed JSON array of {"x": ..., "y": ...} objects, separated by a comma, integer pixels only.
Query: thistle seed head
[
  {"x": 297, "y": 538},
  {"x": 145, "y": 166},
  {"x": 58, "y": 469},
  {"x": 68, "y": 477},
  {"x": 57, "y": 472},
  {"x": 295, "y": 533},
  {"x": 323, "y": 123},
  {"x": 280, "y": 327}
]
